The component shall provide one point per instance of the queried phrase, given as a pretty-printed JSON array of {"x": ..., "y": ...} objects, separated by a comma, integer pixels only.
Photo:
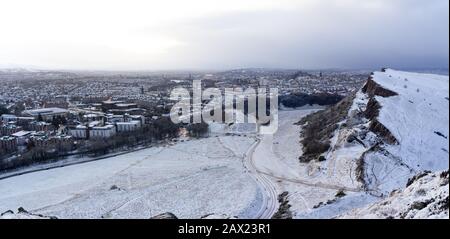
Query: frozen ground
[{"x": 190, "y": 179}]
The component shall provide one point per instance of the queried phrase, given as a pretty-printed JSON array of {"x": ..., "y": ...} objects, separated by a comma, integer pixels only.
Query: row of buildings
[
  {"x": 23, "y": 139},
  {"x": 33, "y": 127},
  {"x": 111, "y": 125},
  {"x": 17, "y": 132}
]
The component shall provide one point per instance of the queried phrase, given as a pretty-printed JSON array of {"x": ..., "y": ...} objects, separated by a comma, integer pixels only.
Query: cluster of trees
[
  {"x": 3, "y": 110},
  {"x": 198, "y": 130},
  {"x": 17, "y": 108},
  {"x": 163, "y": 128},
  {"x": 152, "y": 109},
  {"x": 299, "y": 99},
  {"x": 40, "y": 154},
  {"x": 3, "y": 153},
  {"x": 58, "y": 120}
]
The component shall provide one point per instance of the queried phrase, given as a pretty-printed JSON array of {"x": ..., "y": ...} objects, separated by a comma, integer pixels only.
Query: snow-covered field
[{"x": 190, "y": 179}]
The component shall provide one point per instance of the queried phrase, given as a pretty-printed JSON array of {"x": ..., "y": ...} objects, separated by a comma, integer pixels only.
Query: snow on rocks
[
  {"x": 166, "y": 215},
  {"x": 396, "y": 127},
  {"x": 412, "y": 117},
  {"x": 425, "y": 197},
  {"x": 23, "y": 214}
]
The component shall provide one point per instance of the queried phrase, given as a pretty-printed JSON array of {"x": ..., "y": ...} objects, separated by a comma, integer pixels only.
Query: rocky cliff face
[
  {"x": 394, "y": 128},
  {"x": 426, "y": 196},
  {"x": 401, "y": 121}
]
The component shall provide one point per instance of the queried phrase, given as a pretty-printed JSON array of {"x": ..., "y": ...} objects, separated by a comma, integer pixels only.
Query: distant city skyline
[{"x": 218, "y": 35}]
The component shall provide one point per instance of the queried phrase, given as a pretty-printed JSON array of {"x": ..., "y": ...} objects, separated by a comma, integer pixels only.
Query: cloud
[{"x": 202, "y": 34}]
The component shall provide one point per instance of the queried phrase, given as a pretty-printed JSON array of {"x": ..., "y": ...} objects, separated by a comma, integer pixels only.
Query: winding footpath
[
  {"x": 269, "y": 192},
  {"x": 268, "y": 188}
]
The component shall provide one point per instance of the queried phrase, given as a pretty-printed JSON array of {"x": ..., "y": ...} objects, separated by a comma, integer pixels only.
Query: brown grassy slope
[{"x": 318, "y": 129}]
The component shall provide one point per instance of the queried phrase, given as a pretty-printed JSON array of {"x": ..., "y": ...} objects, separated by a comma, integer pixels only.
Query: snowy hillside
[
  {"x": 418, "y": 117},
  {"x": 425, "y": 197},
  {"x": 413, "y": 123},
  {"x": 394, "y": 128}
]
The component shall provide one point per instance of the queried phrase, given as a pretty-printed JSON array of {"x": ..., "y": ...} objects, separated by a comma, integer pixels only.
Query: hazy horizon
[
  {"x": 206, "y": 35},
  {"x": 433, "y": 70}
]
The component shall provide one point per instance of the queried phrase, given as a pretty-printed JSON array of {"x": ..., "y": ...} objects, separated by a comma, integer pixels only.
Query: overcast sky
[{"x": 223, "y": 34}]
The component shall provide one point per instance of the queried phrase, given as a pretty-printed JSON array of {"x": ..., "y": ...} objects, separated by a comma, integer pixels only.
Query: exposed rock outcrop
[
  {"x": 167, "y": 215},
  {"x": 320, "y": 127},
  {"x": 381, "y": 130},
  {"x": 217, "y": 216},
  {"x": 372, "y": 89},
  {"x": 284, "y": 211},
  {"x": 23, "y": 214},
  {"x": 426, "y": 196},
  {"x": 395, "y": 127}
]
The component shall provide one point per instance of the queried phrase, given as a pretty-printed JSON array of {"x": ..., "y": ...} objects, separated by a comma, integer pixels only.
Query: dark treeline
[
  {"x": 39, "y": 154},
  {"x": 3, "y": 110},
  {"x": 299, "y": 99},
  {"x": 198, "y": 130}
]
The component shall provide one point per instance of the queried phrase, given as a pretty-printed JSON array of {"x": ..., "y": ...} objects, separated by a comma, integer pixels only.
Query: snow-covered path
[{"x": 270, "y": 203}]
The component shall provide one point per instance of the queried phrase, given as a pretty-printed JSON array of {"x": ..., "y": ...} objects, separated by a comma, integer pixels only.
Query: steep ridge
[
  {"x": 409, "y": 115},
  {"x": 395, "y": 127}
]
